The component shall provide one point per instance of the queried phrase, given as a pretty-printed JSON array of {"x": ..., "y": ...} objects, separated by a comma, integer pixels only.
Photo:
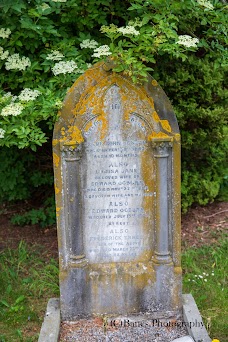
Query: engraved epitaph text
[{"x": 114, "y": 189}]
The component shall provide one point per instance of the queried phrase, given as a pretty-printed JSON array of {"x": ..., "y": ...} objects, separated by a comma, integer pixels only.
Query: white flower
[
  {"x": 64, "y": 67},
  {"x": 55, "y": 56},
  {"x": 6, "y": 97},
  {"x": 88, "y": 65},
  {"x": 3, "y": 54},
  {"x": 102, "y": 50},
  {"x": 44, "y": 6},
  {"x": 188, "y": 41},
  {"x": 128, "y": 30},
  {"x": 12, "y": 109},
  {"x": 28, "y": 94},
  {"x": 58, "y": 103},
  {"x": 206, "y": 4},
  {"x": 4, "y": 33},
  {"x": 16, "y": 62},
  {"x": 59, "y": 0},
  {"x": 88, "y": 44},
  {"x": 2, "y": 133}
]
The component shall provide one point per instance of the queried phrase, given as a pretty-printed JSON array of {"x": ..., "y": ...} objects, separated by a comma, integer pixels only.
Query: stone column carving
[
  {"x": 162, "y": 153},
  {"x": 71, "y": 155}
]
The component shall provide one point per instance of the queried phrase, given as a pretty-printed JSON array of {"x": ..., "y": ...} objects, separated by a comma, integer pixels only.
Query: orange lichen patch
[
  {"x": 155, "y": 116},
  {"x": 56, "y": 159},
  {"x": 75, "y": 134},
  {"x": 165, "y": 125},
  {"x": 156, "y": 135},
  {"x": 154, "y": 83}
]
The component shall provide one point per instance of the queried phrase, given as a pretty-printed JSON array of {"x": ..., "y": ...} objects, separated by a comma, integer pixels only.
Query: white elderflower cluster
[
  {"x": 6, "y": 97},
  {"x": 43, "y": 7},
  {"x": 55, "y": 55},
  {"x": 3, "y": 54},
  {"x": 88, "y": 44},
  {"x": 102, "y": 50},
  {"x": 188, "y": 41},
  {"x": 64, "y": 67},
  {"x": 13, "y": 109},
  {"x": 15, "y": 62},
  {"x": 128, "y": 30},
  {"x": 206, "y": 4},
  {"x": 28, "y": 94},
  {"x": 2, "y": 133},
  {"x": 5, "y": 33}
]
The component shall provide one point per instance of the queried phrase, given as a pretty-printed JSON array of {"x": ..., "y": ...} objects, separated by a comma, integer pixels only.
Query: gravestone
[{"x": 116, "y": 151}]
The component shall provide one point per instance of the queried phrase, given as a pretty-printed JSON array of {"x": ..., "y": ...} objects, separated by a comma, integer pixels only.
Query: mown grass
[
  {"x": 205, "y": 276},
  {"x": 27, "y": 282}
]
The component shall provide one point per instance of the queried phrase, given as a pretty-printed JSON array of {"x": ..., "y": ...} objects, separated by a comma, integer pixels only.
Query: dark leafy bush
[{"x": 193, "y": 76}]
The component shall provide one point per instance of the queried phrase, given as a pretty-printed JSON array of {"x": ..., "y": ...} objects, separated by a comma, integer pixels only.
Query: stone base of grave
[{"x": 141, "y": 327}]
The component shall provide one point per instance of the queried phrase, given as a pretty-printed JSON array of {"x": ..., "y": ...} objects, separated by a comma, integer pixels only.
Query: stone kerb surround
[{"x": 100, "y": 109}]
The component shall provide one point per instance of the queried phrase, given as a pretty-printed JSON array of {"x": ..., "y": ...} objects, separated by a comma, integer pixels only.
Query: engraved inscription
[{"x": 114, "y": 188}]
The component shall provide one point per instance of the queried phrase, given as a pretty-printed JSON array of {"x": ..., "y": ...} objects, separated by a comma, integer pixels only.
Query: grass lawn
[{"x": 27, "y": 282}]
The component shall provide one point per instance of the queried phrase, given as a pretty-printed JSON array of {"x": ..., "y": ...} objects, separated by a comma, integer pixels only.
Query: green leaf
[{"x": 4, "y": 302}]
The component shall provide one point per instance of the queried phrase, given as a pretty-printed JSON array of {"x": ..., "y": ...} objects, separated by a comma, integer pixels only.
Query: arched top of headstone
[{"x": 89, "y": 98}]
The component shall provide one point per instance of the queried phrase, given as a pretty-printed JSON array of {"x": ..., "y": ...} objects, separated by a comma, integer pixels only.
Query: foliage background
[{"x": 193, "y": 78}]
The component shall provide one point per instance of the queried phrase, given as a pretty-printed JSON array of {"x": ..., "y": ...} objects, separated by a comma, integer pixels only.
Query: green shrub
[
  {"x": 34, "y": 79},
  {"x": 44, "y": 216}
]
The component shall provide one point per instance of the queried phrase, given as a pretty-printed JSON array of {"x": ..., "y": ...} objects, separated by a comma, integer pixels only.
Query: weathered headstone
[{"x": 117, "y": 181}]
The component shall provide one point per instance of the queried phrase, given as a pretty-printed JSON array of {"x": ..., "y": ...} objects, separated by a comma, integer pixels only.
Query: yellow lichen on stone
[
  {"x": 103, "y": 127},
  {"x": 155, "y": 116},
  {"x": 57, "y": 190},
  {"x": 165, "y": 125},
  {"x": 88, "y": 126},
  {"x": 75, "y": 134},
  {"x": 54, "y": 142},
  {"x": 177, "y": 137},
  {"x": 63, "y": 131},
  {"x": 156, "y": 135},
  {"x": 56, "y": 159},
  {"x": 154, "y": 83}
]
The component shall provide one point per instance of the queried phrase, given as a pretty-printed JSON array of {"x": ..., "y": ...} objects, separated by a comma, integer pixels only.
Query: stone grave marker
[{"x": 116, "y": 151}]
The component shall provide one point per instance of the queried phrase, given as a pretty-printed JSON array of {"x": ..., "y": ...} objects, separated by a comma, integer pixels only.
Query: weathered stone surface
[
  {"x": 116, "y": 151},
  {"x": 51, "y": 324},
  {"x": 194, "y": 320}
]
